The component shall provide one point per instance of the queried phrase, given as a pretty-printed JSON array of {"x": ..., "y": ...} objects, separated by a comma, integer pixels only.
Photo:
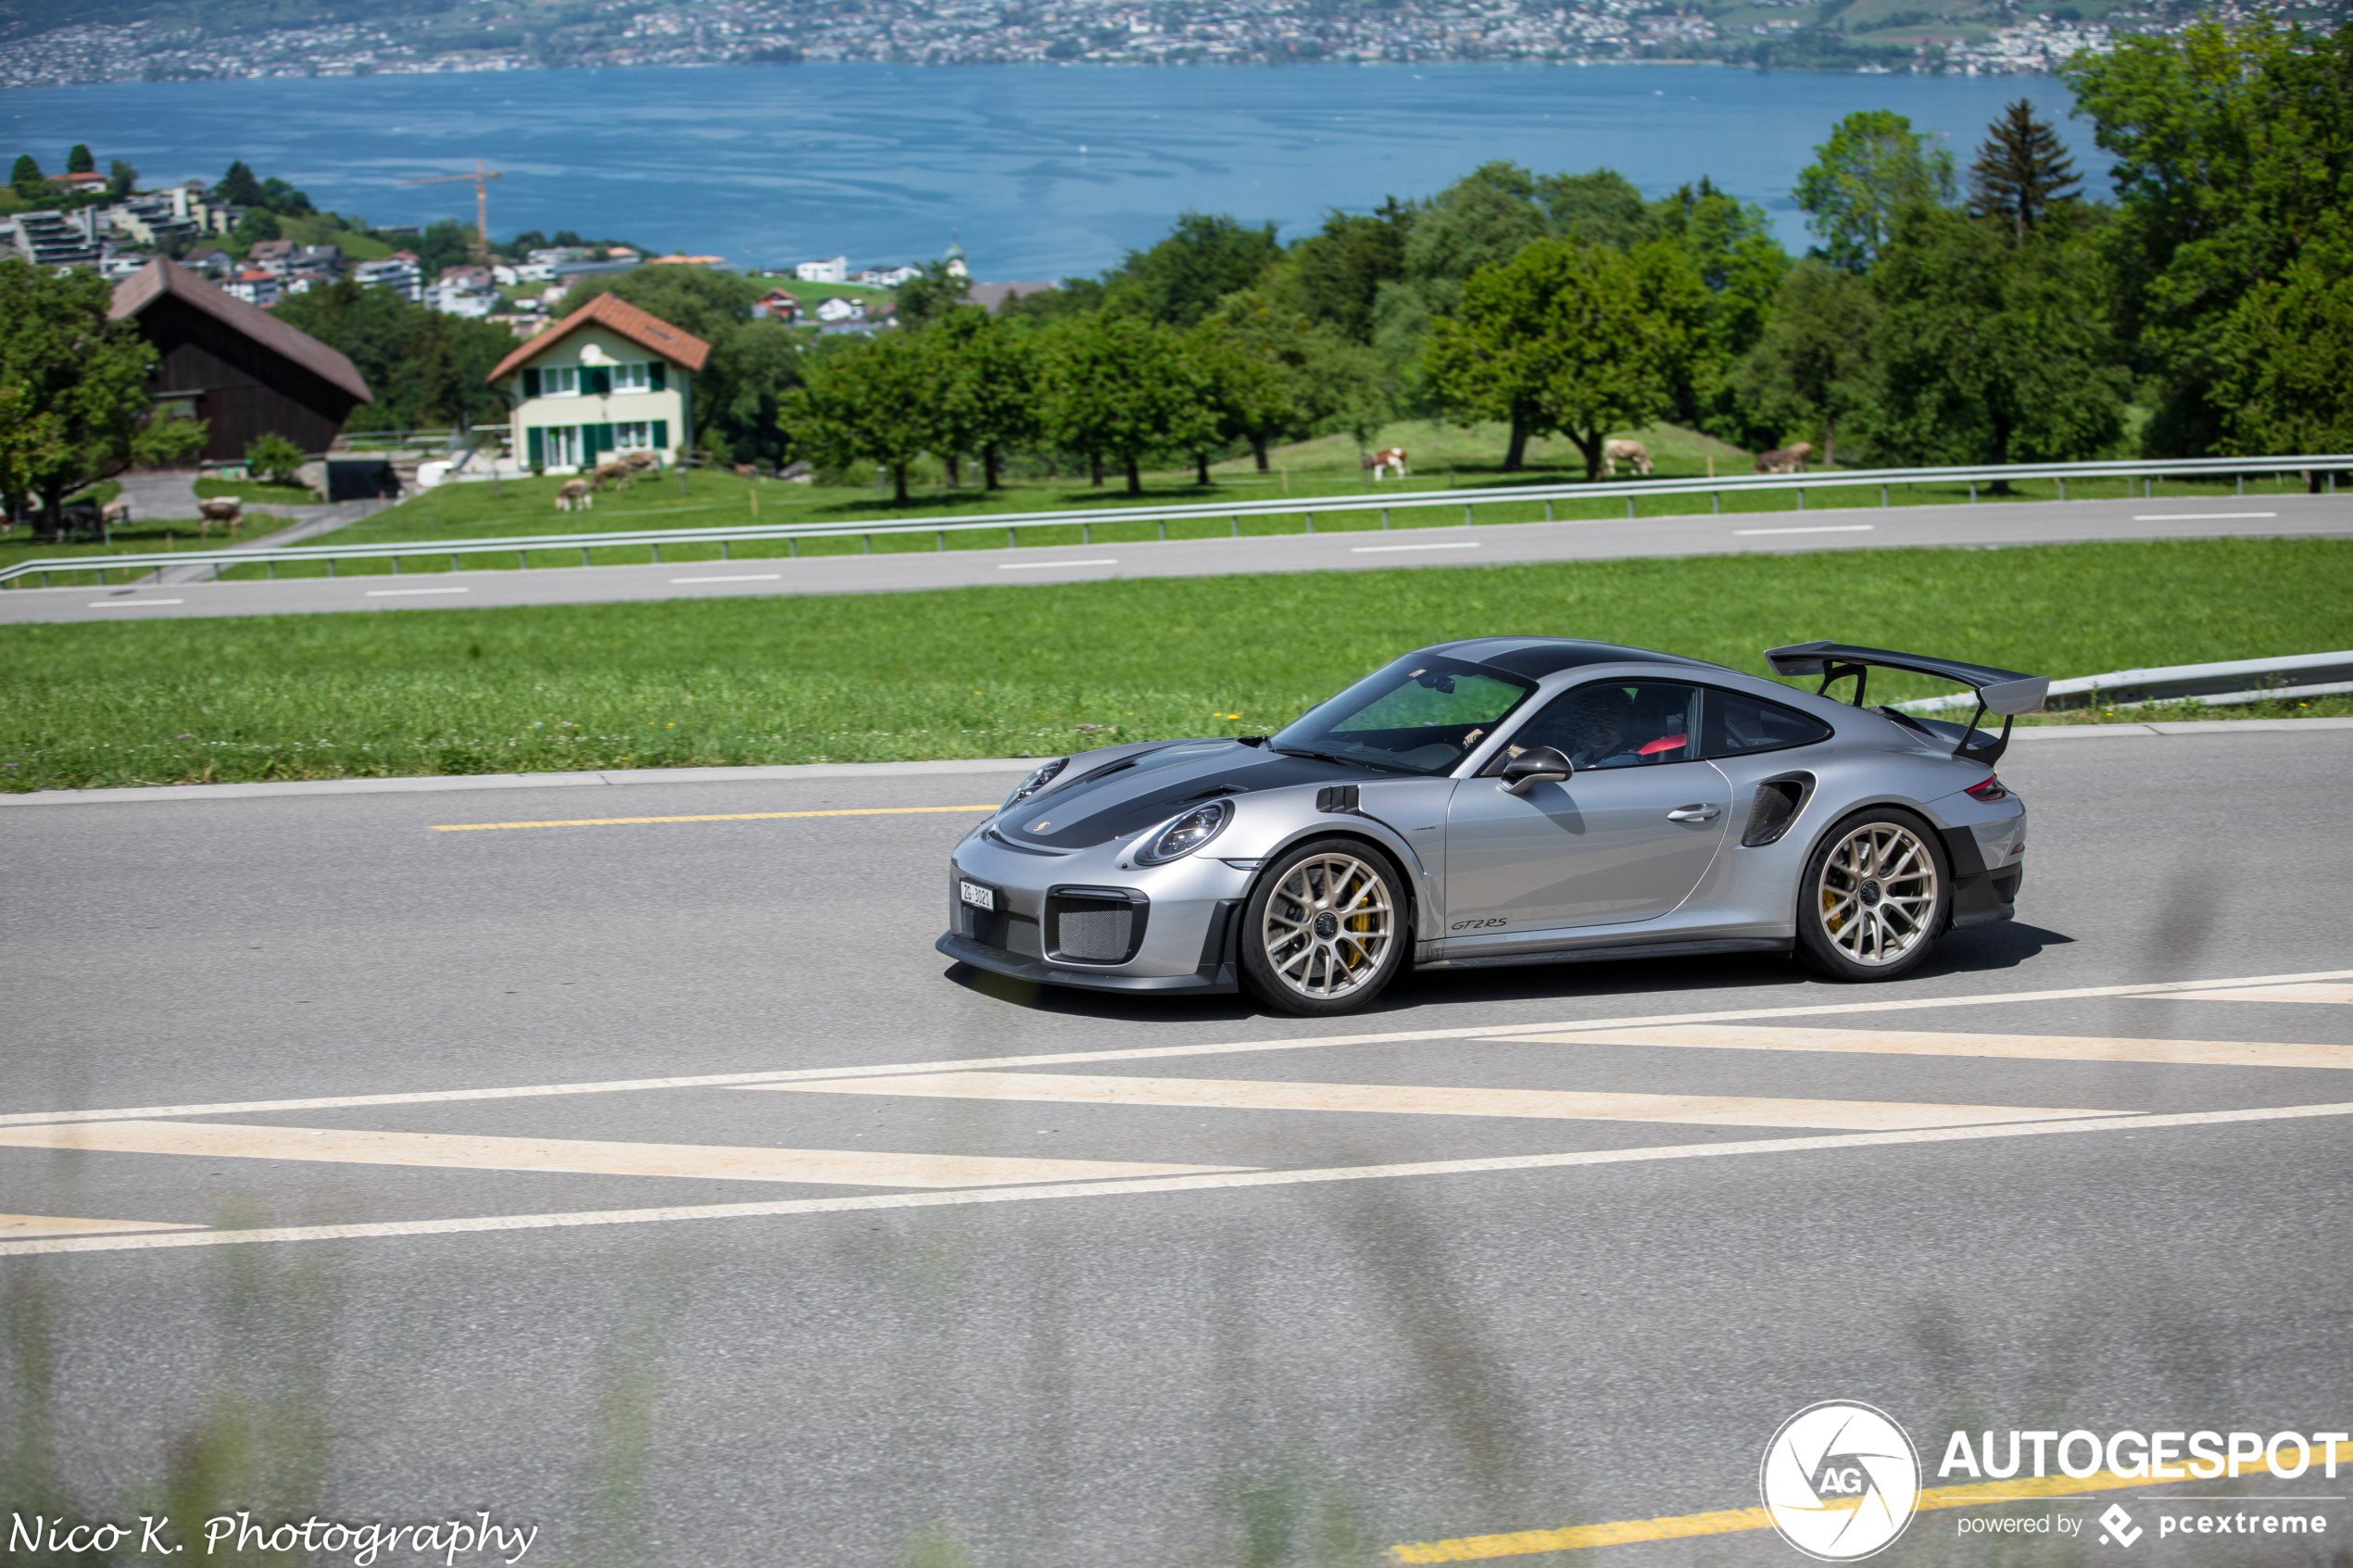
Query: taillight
[{"x": 1993, "y": 788}]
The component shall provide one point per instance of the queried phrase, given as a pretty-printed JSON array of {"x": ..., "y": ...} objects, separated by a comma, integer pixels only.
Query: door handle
[{"x": 1695, "y": 813}]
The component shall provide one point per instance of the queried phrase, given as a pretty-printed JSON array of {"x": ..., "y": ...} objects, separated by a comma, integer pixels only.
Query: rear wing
[{"x": 2004, "y": 692}]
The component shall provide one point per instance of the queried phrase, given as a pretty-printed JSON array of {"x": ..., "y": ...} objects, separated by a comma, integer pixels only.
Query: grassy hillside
[{"x": 1000, "y": 670}]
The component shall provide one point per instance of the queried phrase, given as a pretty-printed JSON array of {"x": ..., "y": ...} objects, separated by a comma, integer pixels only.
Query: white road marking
[
  {"x": 2199, "y": 517},
  {"x": 746, "y": 577},
  {"x": 2271, "y": 994},
  {"x": 2013, "y": 1048},
  {"x": 1834, "y": 528},
  {"x": 223, "y": 1140},
  {"x": 14, "y": 1227},
  {"x": 399, "y": 593},
  {"x": 133, "y": 604},
  {"x": 1382, "y": 549},
  {"x": 1251, "y": 1094},
  {"x": 1050, "y": 565},
  {"x": 1729, "y": 1149},
  {"x": 1145, "y": 1053}
]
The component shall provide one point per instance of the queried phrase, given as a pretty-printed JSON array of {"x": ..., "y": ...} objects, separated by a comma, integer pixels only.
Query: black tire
[
  {"x": 1876, "y": 893},
  {"x": 1326, "y": 928}
]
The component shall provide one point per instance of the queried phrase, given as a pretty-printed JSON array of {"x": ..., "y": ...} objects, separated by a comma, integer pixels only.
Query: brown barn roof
[
  {"x": 643, "y": 328},
  {"x": 161, "y": 277}
]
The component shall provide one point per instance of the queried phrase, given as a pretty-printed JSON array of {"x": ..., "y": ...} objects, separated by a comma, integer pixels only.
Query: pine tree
[
  {"x": 26, "y": 177},
  {"x": 79, "y": 161},
  {"x": 2021, "y": 171}
]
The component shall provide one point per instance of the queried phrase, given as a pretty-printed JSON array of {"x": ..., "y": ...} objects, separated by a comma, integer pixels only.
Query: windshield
[{"x": 1422, "y": 714}]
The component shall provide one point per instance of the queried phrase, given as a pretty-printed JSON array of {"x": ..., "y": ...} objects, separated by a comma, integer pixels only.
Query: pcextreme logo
[{"x": 1839, "y": 1481}]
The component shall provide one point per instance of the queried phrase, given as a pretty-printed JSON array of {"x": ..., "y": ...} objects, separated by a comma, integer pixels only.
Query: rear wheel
[
  {"x": 1875, "y": 896},
  {"x": 1324, "y": 931}
]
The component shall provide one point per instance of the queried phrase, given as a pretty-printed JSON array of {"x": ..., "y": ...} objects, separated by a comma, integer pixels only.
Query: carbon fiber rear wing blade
[{"x": 2004, "y": 692}]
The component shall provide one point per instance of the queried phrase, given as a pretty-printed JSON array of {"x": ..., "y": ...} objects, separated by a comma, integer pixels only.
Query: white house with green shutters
[{"x": 607, "y": 380}]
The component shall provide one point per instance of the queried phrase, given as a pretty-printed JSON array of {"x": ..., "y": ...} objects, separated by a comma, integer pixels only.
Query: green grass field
[
  {"x": 1003, "y": 671},
  {"x": 140, "y": 536}
]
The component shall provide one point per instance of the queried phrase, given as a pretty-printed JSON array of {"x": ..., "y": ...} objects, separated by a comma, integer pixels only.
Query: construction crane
[{"x": 482, "y": 177}]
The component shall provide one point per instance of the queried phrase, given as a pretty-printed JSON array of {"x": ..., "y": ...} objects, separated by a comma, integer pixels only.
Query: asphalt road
[
  {"x": 1360, "y": 547},
  {"x": 1219, "y": 1370}
]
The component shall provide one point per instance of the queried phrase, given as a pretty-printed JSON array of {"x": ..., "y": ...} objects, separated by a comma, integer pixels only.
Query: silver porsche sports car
[{"x": 1508, "y": 800}]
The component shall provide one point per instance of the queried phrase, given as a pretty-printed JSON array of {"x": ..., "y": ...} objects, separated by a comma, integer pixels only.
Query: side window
[
  {"x": 1617, "y": 724},
  {"x": 1736, "y": 724}
]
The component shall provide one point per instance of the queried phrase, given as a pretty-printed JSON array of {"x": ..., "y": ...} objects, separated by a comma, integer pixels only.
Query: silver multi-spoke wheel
[
  {"x": 1329, "y": 923},
  {"x": 1876, "y": 895}
]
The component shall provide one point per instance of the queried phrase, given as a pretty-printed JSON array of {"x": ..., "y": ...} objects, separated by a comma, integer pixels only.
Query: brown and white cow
[
  {"x": 218, "y": 509},
  {"x": 1630, "y": 452},
  {"x": 1785, "y": 459},
  {"x": 573, "y": 496},
  {"x": 1387, "y": 457}
]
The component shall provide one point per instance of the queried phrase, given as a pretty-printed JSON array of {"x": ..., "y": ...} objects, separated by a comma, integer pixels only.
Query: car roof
[{"x": 1535, "y": 658}]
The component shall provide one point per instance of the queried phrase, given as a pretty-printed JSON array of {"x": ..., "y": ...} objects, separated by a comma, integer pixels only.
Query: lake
[{"x": 1040, "y": 171}]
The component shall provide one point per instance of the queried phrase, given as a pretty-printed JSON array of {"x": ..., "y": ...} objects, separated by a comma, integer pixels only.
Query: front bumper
[{"x": 1215, "y": 978}]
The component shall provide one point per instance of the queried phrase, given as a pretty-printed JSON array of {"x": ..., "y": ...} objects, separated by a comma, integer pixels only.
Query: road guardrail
[
  {"x": 2234, "y": 680},
  {"x": 1632, "y": 491}
]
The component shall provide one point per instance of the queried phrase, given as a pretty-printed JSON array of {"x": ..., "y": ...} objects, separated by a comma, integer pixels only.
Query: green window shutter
[
  {"x": 656, "y": 374},
  {"x": 600, "y": 382},
  {"x": 531, "y": 383},
  {"x": 604, "y": 438},
  {"x": 661, "y": 435},
  {"x": 535, "y": 440}
]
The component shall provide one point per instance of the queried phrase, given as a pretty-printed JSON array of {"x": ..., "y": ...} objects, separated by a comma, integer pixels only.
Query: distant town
[{"x": 1940, "y": 36}]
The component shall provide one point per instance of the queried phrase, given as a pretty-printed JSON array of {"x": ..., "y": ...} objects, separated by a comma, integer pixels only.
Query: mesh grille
[
  {"x": 1099, "y": 935},
  {"x": 1021, "y": 937}
]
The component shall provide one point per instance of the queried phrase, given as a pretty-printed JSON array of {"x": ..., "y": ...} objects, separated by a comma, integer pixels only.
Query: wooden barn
[{"x": 236, "y": 366}]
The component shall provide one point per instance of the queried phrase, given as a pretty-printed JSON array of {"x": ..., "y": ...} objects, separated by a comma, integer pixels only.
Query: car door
[{"x": 1625, "y": 838}]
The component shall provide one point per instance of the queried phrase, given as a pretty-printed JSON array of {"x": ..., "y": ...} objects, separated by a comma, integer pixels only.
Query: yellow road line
[
  {"x": 578, "y": 1157},
  {"x": 1254, "y": 1094},
  {"x": 712, "y": 817},
  {"x": 1630, "y": 1532},
  {"x": 1907, "y": 1041},
  {"x": 15, "y": 1227}
]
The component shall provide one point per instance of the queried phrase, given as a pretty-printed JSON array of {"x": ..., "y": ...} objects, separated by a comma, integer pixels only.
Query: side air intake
[{"x": 1777, "y": 802}]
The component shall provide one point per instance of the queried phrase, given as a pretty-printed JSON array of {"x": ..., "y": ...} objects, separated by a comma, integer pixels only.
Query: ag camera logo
[{"x": 1839, "y": 1481}]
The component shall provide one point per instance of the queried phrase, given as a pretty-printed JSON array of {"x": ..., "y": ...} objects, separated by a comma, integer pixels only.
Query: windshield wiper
[{"x": 1344, "y": 762}]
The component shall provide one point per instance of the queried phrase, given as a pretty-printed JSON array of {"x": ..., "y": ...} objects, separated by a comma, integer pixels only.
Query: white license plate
[{"x": 979, "y": 897}]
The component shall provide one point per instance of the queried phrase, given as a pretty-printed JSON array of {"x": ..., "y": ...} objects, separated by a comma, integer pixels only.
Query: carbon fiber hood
[{"x": 1106, "y": 798}]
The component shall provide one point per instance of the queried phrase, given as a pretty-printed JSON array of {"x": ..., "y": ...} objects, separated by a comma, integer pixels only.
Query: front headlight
[
  {"x": 1186, "y": 835},
  {"x": 1038, "y": 779}
]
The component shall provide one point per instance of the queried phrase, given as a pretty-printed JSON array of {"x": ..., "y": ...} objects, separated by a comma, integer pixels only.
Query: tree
[
  {"x": 1203, "y": 260},
  {"x": 1731, "y": 244},
  {"x": 1874, "y": 169},
  {"x": 274, "y": 457},
  {"x": 1810, "y": 369},
  {"x": 1122, "y": 387},
  {"x": 1333, "y": 277},
  {"x": 258, "y": 224},
  {"x": 238, "y": 187},
  {"x": 122, "y": 179},
  {"x": 984, "y": 377},
  {"x": 1581, "y": 339},
  {"x": 2021, "y": 171},
  {"x": 79, "y": 160},
  {"x": 29, "y": 442},
  {"x": 86, "y": 378},
  {"x": 1992, "y": 352},
  {"x": 27, "y": 179},
  {"x": 426, "y": 368},
  {"x": 932, "y": 292},
  {"x": 2233, "y": 144},
  {"x": 281, "y": 198},
  {"x": 1258, "y": 354},
  {"x": 2284, "y": 358},
  {"x": 867, "y": 401}
]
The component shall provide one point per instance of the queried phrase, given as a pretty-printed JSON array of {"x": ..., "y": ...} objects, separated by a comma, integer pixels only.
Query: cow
[
  {"x": 573, "y": 496},
  {"x": 227, "y": 510},
  {"x": 114, "y": 513},
  {"x": 639, "y": 461},
  {"x": 1785, "y": 459},
  {"x": 1634, "y": 452},
  {"x": 608, "y": 474},
  {"x": 1387, "y": 457}
]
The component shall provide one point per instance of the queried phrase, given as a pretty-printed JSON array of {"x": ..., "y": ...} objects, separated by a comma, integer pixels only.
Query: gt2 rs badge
[{"x": 1475, "y": 924}]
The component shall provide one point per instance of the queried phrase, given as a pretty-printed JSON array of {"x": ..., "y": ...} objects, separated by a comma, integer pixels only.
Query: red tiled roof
[
  {"x": 643, "y": 328},
  {"x": 161, "y": 277}
]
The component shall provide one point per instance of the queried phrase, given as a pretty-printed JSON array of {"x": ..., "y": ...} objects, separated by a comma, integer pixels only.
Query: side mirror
[{"x": 1540, "y": 764}]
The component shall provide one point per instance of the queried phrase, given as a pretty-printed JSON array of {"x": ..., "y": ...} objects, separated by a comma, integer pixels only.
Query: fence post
[
  {"x": 1630, "y": 508},
  {"x": 395, "y": 566},
  {"x": 1716, "y": 501},
  {"x": 521, "y": 564},
  {"x": 583, "y": 555},
  {"x": 1801, "y": 497},
  {"x": 1086, "y": 532},
  {"x": 657, "y": 550},
  {"x": 1311, "y": 522},
  {"x": 2242, "y": 485},
  {"x": 1164, "y": 530},
  {"x": 1882, "y": 497},
  {"x": 453, "y": 563},
  {"x": 1548, "y": 511},
  {"x": 1384, "y": 511},
  {"x": 942, "y": 537},
  {"x": 1466, "y": 511},
  {"x": 723, "y": 551},
  {"x": 331, "y": 563},
  {"x": 870, "y": 543},
  {"x": 792, "y": 548},
  {"x": 1972, "y": 491},
  {"x": 2062, "y": 488}
]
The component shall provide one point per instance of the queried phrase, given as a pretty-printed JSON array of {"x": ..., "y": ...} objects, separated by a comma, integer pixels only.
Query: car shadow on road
[{"x": 1678, "y": 984}]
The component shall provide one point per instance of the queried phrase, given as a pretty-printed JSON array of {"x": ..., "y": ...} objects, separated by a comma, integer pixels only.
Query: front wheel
[
  {"x": 1325, "y": 930},
  {"x": 1875, "y": 896}
]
